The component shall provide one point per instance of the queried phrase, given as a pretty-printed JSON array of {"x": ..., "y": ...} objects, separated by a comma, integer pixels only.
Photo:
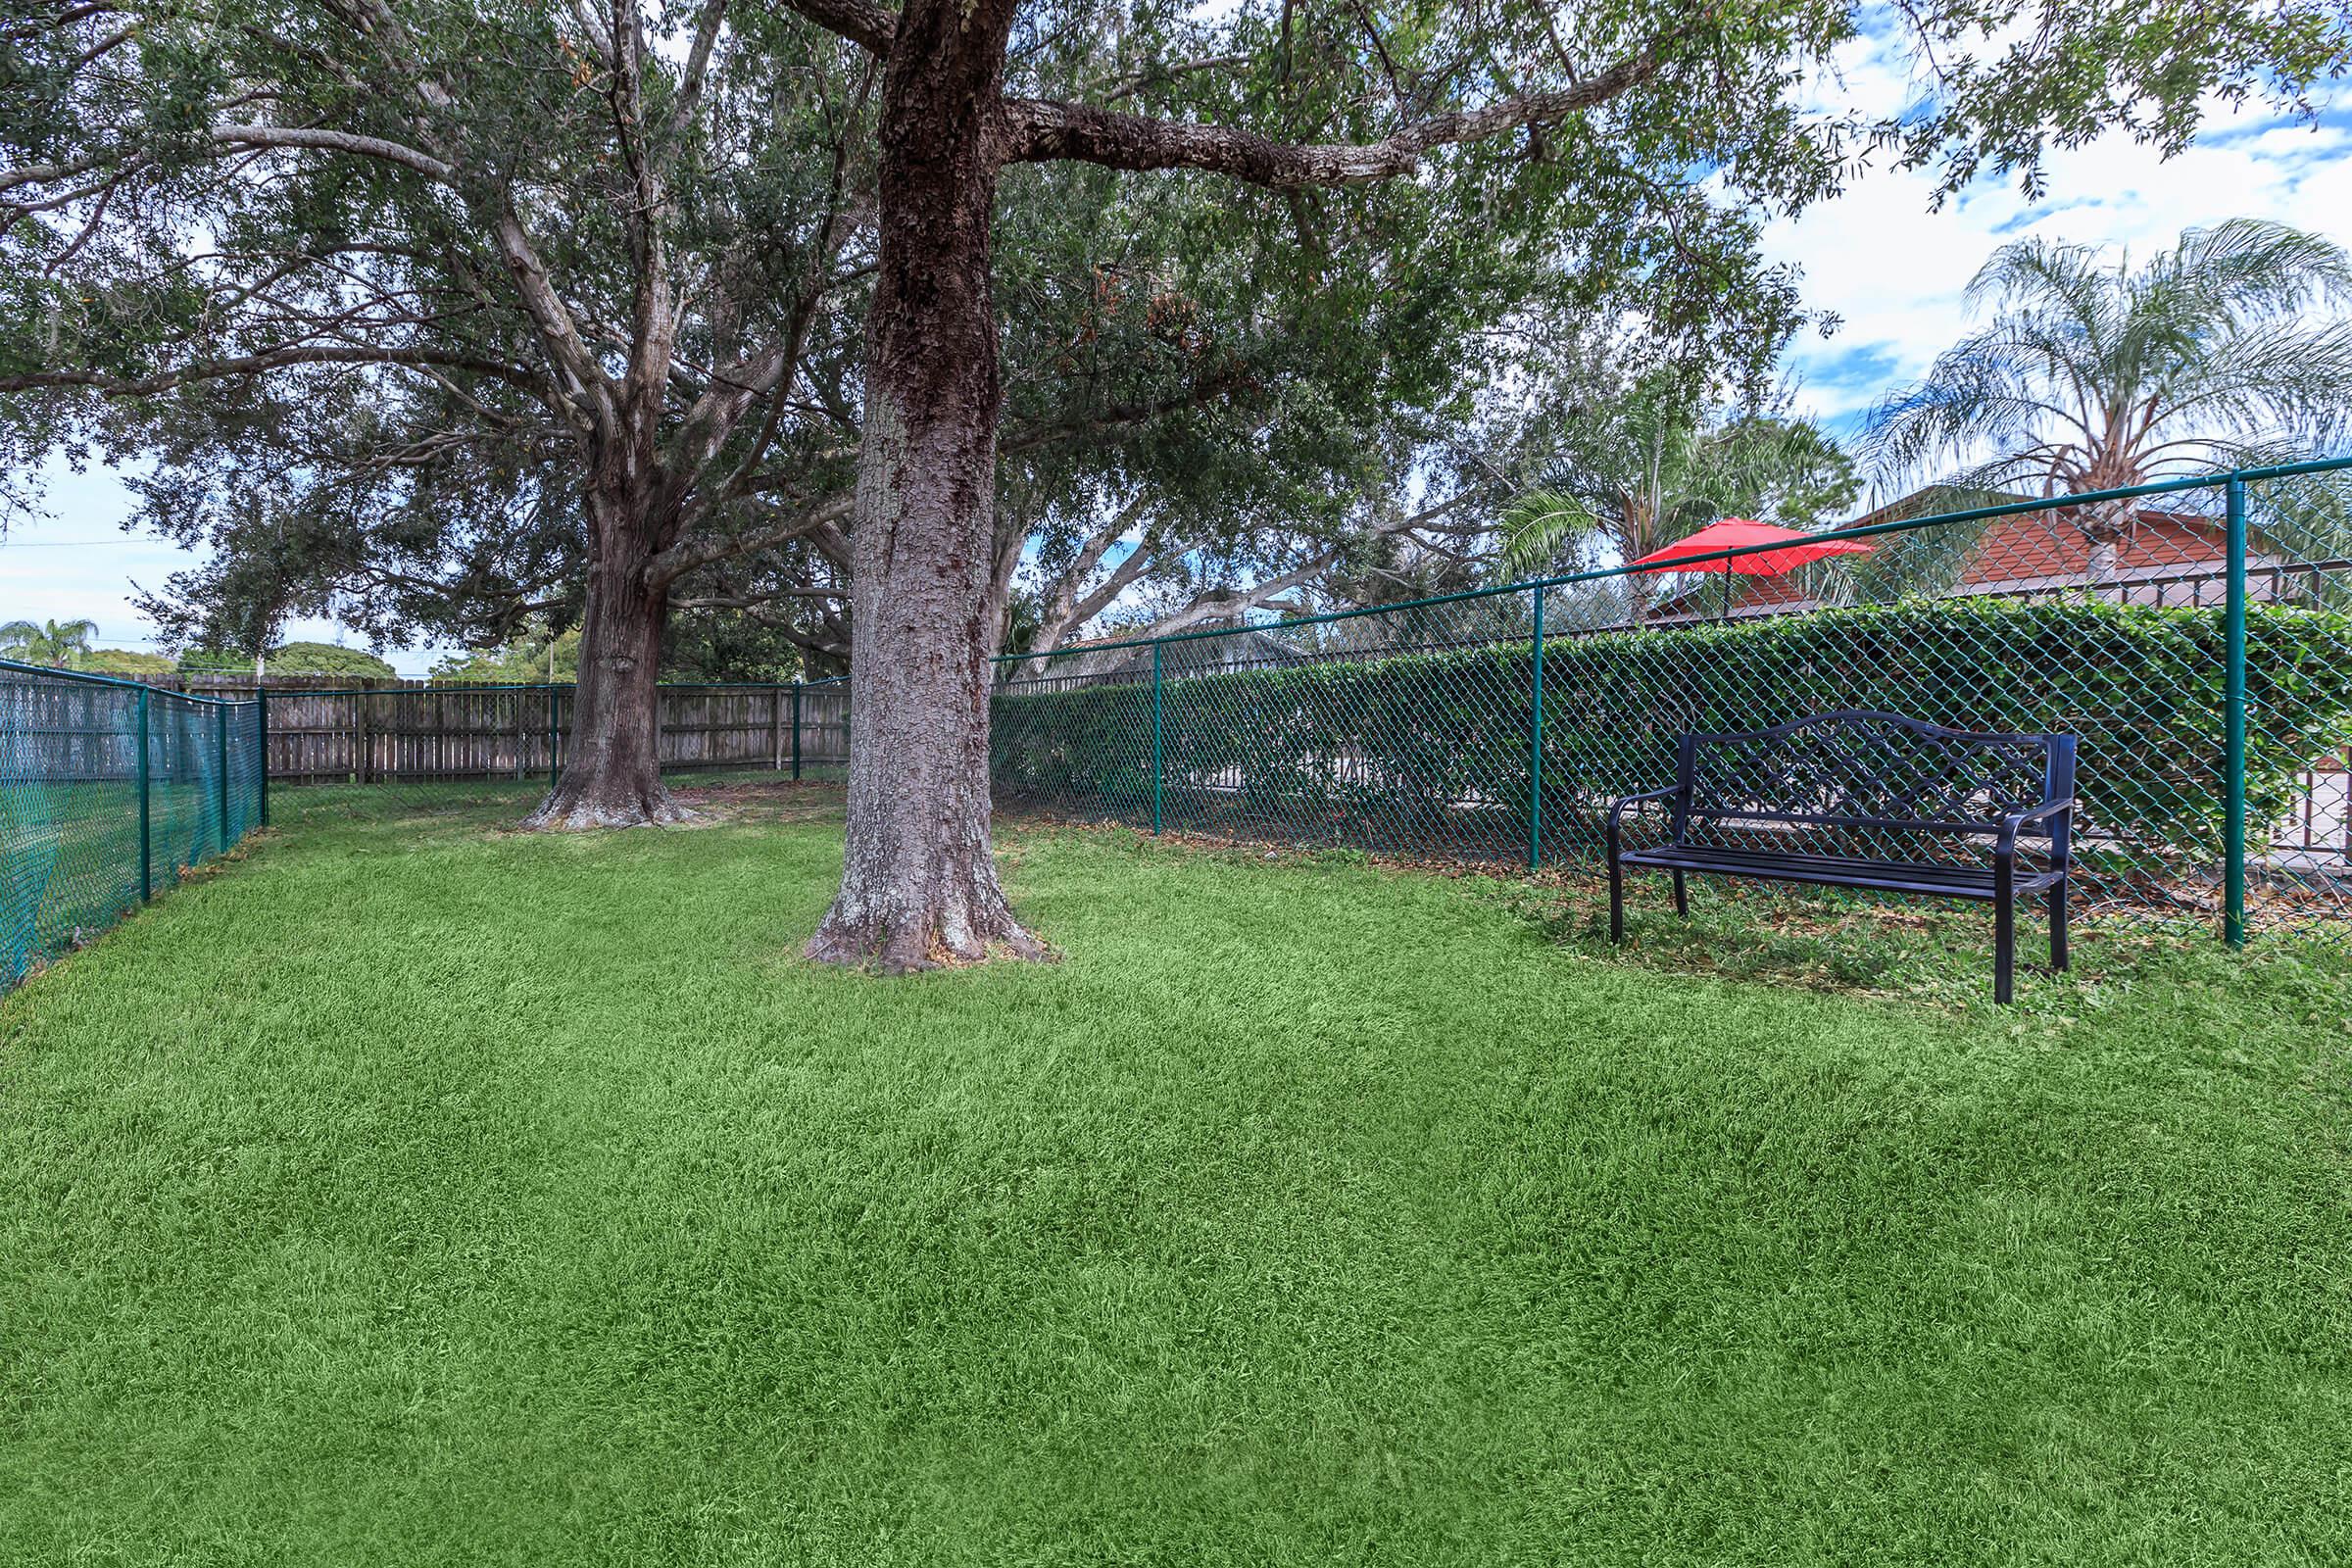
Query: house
[
  {"x": 2167, "y": 555},
  {"x": 1117, "y": 662}
]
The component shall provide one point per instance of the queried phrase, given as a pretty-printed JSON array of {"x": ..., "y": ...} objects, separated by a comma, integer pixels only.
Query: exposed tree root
[
  {"x": 913, "y": 941},
  {"x": 585, "y": 809}
]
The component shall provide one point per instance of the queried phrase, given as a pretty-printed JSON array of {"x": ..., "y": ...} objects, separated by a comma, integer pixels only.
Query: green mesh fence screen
[
  {"x": 108, "y": 792},
  {"x": 1498, "y": 726}
]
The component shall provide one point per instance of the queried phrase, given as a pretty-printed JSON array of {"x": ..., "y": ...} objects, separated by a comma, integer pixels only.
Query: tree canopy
[
  {"x": 427, "y": 261},
  {"x": 380, "y": 388},
  {"x": 292, "y": 659},
  {"x": 1642, "y": 460}
]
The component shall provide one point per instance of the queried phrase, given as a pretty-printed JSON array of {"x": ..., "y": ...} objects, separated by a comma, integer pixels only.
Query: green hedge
[{"x": 1421, "y": 734}]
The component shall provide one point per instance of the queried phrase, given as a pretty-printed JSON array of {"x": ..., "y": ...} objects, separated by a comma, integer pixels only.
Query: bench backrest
[{"x": 1870, "y": 771}]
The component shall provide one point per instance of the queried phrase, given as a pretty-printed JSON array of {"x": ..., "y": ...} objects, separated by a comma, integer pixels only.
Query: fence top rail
[
  {"x": 85, "y": 678},
  {"x": 2008, "y": 508}
]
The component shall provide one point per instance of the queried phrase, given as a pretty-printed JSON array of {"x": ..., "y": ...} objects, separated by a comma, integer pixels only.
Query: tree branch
[
  {"x": 115, "y": 386},
  {"x": 1066, "y": 607},
  {"x": 1150, "y": 76},
  {"x": 753, "y": 600},
  {"x": 688, "y": 552},
  {"x": 587, "y": 393},
  {"x": 861, "y": 22},
  {"x": 50, "y": 173},
  {"x": 1228, "y": 603},
  {"x": 336, "y": 141},
  {"x": 1121, "y": 415},
  {"x": 690, "y": 80},
  {"x": 1039, "y": 130}
]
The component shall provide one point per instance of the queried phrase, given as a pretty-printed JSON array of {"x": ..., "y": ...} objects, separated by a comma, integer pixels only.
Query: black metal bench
[{"x": 1836, "y": 800}]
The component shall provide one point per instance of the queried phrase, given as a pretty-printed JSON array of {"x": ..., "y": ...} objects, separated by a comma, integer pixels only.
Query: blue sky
[{"x": 1880, "y": 256}]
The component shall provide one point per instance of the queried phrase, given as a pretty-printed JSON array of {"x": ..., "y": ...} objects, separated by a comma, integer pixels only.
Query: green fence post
[
  {"x": 796, "y": 730},
  {"x": 260, "y": 747},
  {"x": 2233, "y": 734},
  {"x": 1156, "y": 737},
  {"x": 552, "y": 700},
  {"x": 221, "y": 780},
  {"x": 1535, "y": 749},
  {"x": 146, "y": 834}
]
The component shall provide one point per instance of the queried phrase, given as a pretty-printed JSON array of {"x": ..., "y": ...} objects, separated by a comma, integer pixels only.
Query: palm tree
[
  {"x": 1644, "y": 466},
  {"x": 2094, "y": 375},
  {"x": 56, "y": 643}
]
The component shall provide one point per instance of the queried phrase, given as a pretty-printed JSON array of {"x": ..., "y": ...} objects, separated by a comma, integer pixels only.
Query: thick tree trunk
[
  {"x": 918, "y": 884},
  {"x": 611, "y": 772}
]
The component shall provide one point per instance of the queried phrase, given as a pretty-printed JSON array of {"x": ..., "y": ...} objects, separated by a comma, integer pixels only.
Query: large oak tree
[
  {"x": 1604, "y": 128},
  {"x": 336, "y": 266}
]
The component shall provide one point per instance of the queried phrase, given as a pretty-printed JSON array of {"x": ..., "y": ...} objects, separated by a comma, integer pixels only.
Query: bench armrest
[
  {"x": 2006, "y": 844},
  {"x": 1618, "y": 806}
]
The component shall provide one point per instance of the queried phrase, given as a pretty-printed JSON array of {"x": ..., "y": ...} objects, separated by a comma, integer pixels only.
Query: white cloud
[{"x": 1883, "y": 257}]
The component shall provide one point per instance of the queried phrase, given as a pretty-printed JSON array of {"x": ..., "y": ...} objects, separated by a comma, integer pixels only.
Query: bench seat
[{"x": 1892, "y": 876}]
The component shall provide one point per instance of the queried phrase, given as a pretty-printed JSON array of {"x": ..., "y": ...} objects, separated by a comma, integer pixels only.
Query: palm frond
[
  {"x": 2093, "y": 374},
  {"x": 1993, "y": 390},
  {"x": 1539, "y": 525}
]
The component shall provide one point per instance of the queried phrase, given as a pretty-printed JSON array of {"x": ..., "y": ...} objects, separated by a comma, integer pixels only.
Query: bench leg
[
  {"x": 2004, "y": 948},
  {"x": 1681, "y": 896},
  {"x": 1616, "y": 901},
  {"x": 2058, "y": 927}
]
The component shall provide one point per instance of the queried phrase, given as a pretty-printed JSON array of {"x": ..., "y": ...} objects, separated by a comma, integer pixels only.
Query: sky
[
  {"x": 1895, "y": 268},
  {"x": 1880, "y": 256}
]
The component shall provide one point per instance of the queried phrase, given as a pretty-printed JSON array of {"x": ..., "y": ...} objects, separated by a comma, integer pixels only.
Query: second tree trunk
[{"x": 613, "y": 769}]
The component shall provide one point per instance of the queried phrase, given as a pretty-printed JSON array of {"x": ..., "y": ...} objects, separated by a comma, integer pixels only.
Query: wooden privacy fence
[{"x": 394, "y": 734}]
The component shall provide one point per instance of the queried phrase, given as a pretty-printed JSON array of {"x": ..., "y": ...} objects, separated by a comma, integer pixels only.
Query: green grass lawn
[{"x": 410, "y": 1193}]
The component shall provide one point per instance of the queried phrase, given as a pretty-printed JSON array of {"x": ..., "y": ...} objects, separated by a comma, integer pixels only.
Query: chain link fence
[
  {"x": 109, "y": 792},
  {"x": 2194, "y": 637}
]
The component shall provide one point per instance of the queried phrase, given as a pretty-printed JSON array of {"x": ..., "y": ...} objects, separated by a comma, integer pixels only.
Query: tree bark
[
  {"x": 612, "y": 772},
  {"x": 918, "y": 884},
  {"x": 2105, "y": 525}
]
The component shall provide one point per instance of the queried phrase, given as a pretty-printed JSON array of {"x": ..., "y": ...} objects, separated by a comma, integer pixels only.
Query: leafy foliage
[
  {"x": 525, "y": 661},
  {"x": 1643, "y": 463},
  {"x": 47, "y": 642},
  {"x": 126, "y": 661},
  {"x": 356, "y": 396},
  {"x": 296, "y": 658}
]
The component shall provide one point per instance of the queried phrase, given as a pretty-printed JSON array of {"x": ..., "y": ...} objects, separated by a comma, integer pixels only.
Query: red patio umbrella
[{"x": 1733, "y": 533}]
